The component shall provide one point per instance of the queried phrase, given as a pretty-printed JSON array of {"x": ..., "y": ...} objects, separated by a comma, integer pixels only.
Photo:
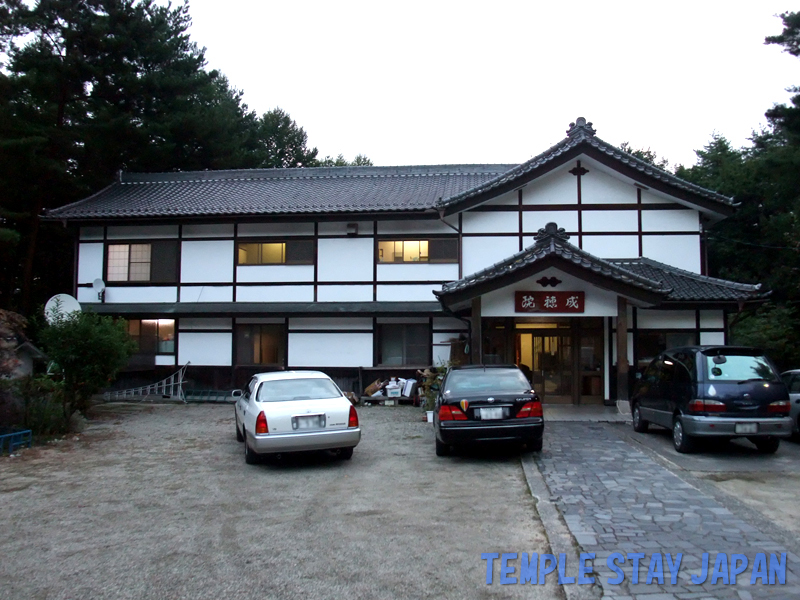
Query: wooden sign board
[{"x": 549, "y": 302}]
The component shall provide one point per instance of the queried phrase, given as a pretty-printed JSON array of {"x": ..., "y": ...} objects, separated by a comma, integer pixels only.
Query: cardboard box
[
  {"x": 389, "y": 402},
  {"x": 393, "y": 391}
]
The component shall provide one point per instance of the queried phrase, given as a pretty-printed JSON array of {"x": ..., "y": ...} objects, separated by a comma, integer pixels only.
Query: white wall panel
[
  {"x": 91, "y": 233},
  {"x": 480, "y": 252},
  {"x": 215, "y": 230},
  {"x": 340, "y": 227},
  {"x": 611, "y": 246},
  {"x": 407, "y": 293},
  {"x": 610, "y": 220},
  {"x": 682, "y": 251},
  {"x": 87, "y": 296},
  {"x": 199, "y": 323},
  {"x": 532, "y": 222},
  {"x": 416, "y": 226},
  {"x": 330, "y": 350},
  {"x": 712, "y": 319},
  {"x": 653, "y": 197},
  {"x": 490, "y": 222},
  {"x": 277, "y": 273},
  {"x": 142, "y": 232},
  {"x": 418, "y": 272},
  {"x": 440, "y": 354},
  {"x": 712, "y": 338},
  {"x": 207, "y": 261},
  {"x": 670, "y": 220},
  {"x": 206, "y": 293},
  {"x": 598, "y": 187},
  {"x": 557, "y": 187},
  {"x": 141, "y": 294},
  {"x": 345, "y": 259},
  {"x": 274, "y": 293},
  {"x": 275, "y": 229},
  {"x": 164, "y": 360},
  {"x": 344, "y": 293},
  {"x": 330, "y": 323},
  {"x": 90, "y": 262},
  {"x": 205, "y": 349},
  {"x": 666, "y": 319},
  {"x": 507, "y": 199}
]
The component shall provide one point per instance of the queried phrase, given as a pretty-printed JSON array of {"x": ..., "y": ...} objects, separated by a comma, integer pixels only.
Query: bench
[{"x": 14, "y": 440}]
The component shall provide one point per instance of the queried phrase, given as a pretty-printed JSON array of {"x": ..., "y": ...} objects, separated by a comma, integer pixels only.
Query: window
[
  {"x": 260, "y": 345},
  {"x": 404, "y": 344},
  {"x": 283, "y": 390},
  {"x": 154, "y": 261},
  {"x": 293, "y": 252},
  {"x": 153, "y": 336},
  {"x": 412, "y": 251}
]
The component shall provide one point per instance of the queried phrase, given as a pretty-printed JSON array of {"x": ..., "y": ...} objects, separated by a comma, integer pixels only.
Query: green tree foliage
[
  {"x": 340, "y": 161},
  {"x": 281, "y": 143},
  {"x": 89, "y": 350},
  {"x": 648, "y": 156},
  {"x": 774, "y": 328}
]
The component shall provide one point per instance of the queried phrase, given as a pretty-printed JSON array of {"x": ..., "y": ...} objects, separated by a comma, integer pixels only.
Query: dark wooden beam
[{"x": 622, "y": 348}]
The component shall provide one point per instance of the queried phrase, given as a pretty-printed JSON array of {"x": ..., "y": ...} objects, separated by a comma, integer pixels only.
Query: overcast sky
[{"x": 498, "y": 82}]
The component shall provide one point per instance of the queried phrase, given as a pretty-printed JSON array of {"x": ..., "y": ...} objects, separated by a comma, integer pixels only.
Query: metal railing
[{"x": 170, "y": 388}]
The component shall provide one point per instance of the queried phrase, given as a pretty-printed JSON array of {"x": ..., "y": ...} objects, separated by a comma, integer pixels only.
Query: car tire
[
  {"x": 640, "y": 425},
  {"x": 767, "y": 445},
  {"x": 442, "y": 449},
  {"x": 345, "y": 453},
  {"x": 250, "y": 457},
  {"x": 682, "y": 442},
  {"x": 239, "y": 437}
]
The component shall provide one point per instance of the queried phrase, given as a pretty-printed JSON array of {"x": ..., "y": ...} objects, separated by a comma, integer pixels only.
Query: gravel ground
[{"x": 155, "y": 501}]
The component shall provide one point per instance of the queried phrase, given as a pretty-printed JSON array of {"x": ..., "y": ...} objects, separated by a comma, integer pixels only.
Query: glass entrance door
[{"x": 549, "y": 358}]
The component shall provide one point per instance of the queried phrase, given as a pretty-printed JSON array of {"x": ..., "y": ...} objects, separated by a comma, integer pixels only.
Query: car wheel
[
  {"x": 239, "y": 437},
  {"x": 346, "y": 453},
  {"x": 442, "y": 449},
  {"x": 640, "y": 425},
  {"x": 767, "y": 445},
  {"x": 682, "y": 442},
  {"x": 250, "y": 457}
]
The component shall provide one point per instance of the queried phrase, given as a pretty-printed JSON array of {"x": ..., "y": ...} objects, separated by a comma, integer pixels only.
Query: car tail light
[
  {"x": 531, "y": 409},
  {"x": 261, "y": 423},
  {"x": 353, "y": 421},
  {"x": 707, "y": 406},
  {"x": 781, "y": 407},
  {"x": 451, "y": 413}
]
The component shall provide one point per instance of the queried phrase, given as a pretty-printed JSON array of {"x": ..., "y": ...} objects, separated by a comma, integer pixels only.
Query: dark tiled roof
[
  {"x": 552, "y": 241},
  {"x": 279, "y": 191},
  {"x": 341, "y": 309},
  {"x": 687, "y": 286},
  {"x": 580, "y": 133}
]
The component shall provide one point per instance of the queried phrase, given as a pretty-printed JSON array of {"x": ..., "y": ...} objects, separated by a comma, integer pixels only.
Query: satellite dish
[
  {"x": 60, "y": 305},
  {"x": 99, "y": 286}
]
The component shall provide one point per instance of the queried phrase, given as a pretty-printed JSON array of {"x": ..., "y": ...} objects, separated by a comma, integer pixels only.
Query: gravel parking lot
[{"x": 155, "y": 501}]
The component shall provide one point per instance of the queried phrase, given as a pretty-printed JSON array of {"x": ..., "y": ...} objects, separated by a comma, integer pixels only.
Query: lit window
[
  {"x": 153, "y": 336},
  {"x": 413, "y": 251},
  {"x": 155, "y": 262},
  {"x": 294, "y": 252}
]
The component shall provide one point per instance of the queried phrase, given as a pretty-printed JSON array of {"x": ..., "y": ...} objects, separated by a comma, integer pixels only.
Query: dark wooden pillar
[
  {"x": 622, "y": 348},
  {"x": 476, "y": 343}
]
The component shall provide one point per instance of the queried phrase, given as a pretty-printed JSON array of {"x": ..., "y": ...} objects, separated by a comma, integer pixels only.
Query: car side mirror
[{"x": 237, "y": 394}]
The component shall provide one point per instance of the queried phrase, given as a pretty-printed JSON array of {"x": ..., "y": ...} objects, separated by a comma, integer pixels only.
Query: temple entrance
[{"x": 549, "y": 360}]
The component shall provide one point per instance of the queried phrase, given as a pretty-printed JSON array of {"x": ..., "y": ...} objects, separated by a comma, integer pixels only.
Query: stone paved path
[{"x": 616, "y": 498}]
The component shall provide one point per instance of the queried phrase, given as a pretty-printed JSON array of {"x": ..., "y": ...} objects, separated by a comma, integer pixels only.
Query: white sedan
[{"x": 294, "y": 411}]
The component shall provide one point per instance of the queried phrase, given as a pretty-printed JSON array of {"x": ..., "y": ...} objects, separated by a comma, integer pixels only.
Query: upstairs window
[
  {"x": 154, "y": 262},
  {"x": 416, "y": 251},
  {"x": 292, "y": 252}
]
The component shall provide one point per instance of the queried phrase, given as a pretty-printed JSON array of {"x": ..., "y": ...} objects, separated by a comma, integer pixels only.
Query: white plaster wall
[
  {"x": 630, "y": 348},
  {"x": 610, "y": 220},
  {"x": 712, "y": 338},
  {"x": 164, "y": 360},
  {"x": 490, "y": 222},
  {"x": 277, "y": 273},
  {"x": 598, "y": 302},
  {"x": 417, "y": 226},
  {"x": 345, "y": 259},
  {"x": 407, "y": 293},
  {"x": 91, "y": 233},
  {"x": 682, "y": 251},
  {"x": 215, "y": 230},
  {"x": 507, "y": 199},
  {"x": 665, "y": 319},
  {"x": 275, "y": 293},
  {"x": 670, "y": 220},
  {"x": 440, "y": 354},
  {"x": 116, "y": 295},
  {"x": 653, "y": 197},
  {"x": 199, "y": 323},
  {"x": 87, "y": 296},
  {"x": 611, "y": 246},
  {"x": 275, "y": 229},
  {"x": 331, "y": 324},
  {"x": 480, "y": 252},
  {"x": 598, "y": 187},
  {"x": 206, "y": 293},
  {"x": 712, "y": 319},
  {"x": 90, "y": 262},
  {"x": 532, "y": 222},
  {"x": 557, "y": 187},
  {"x": 205, "y": 349},
  {"x": 142, "y": 232},
  {"x": 418, "y": 272},
  {"x": 344, "y": 293},
  {"x": 330, "y": 350},
  {"x": 207, "y": 261},
  {"x": 340, "y": 227}
]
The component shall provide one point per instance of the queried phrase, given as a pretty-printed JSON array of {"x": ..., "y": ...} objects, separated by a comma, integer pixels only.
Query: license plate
[
  {"x": 491, "y": 413},
  {"x": 746, "y": 428},
  {"x": 310, "y": 422}
]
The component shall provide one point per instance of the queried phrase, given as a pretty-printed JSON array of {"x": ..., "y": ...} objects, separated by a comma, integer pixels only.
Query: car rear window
[
  {"x": 490, "y": 381},
  {"x": 739, "y": 368},
  {"x": 282, "y": 390}
]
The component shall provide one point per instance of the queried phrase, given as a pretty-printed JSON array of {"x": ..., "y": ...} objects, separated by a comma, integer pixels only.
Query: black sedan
[{"x": 487, "y": 403}]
